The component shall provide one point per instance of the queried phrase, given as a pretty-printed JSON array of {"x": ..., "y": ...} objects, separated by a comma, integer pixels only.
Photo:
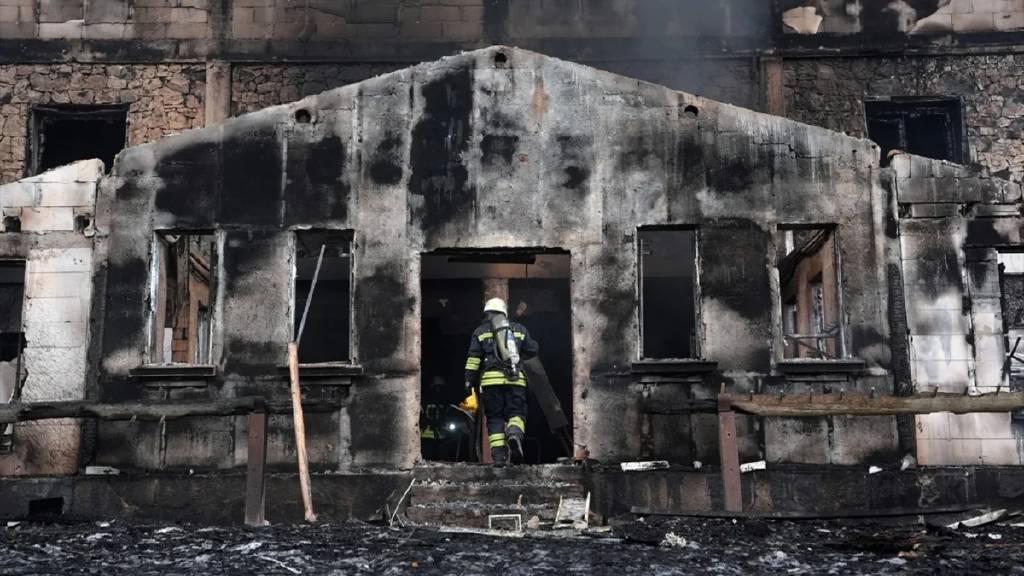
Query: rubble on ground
[{"x": 651, "y": 545}]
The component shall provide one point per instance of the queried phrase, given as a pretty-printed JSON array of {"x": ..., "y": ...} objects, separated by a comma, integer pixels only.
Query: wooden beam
[
  {"x": 810, "y": 405},
  {"x": 150, "y": 411},
  {"x": 256, "y": 470},
  {"x": 732, "y": 486}
]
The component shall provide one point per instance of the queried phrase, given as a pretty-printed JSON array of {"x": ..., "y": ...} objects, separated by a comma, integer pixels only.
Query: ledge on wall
[
  {"x": 326, "y": 370},
  {"x": 174, "y": 371},
  {"x": 816, "y": 366},
  {"x": 684, "y": 366}
]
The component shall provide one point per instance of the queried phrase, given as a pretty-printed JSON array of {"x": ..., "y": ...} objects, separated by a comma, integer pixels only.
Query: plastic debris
[
  {"x": 874, "y": 470},
  {"x": 101, "y": 471},
  {"x": 751, "y": 466},
  {"x": 642, "y": 466}
]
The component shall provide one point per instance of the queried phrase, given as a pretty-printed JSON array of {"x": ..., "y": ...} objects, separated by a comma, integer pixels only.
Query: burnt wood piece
[
  {"x": 812, "y": 405},
  {"x": 256, "y": 470},
  {"x": 731, "y": 483},
  {"x": 151, "y": 411}
]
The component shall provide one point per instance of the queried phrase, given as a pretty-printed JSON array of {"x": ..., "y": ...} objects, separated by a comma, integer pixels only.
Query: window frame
[
  {"x": 295, "y": 315},
  {"x": 958, "y": 139},
  {"x": 39, "y": 114},
  {"x": 842, "y": 351},
  {"x": 153, "y": 296},
  {"x": 698, "y": 340}
]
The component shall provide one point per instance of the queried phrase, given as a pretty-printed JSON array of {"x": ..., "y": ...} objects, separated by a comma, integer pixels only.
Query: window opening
[
  {"x": 1011, "y": 290},
  {"x": 12, "y": 338},
  {"x": 930, "y": 128},
  {"x": 668, "y": 293},
  {"x": 64, "y": 134},
  {"x": 455, "y": 285},
  {"x": 810, "y": 292},
  {"x": 183, "y": 297},
  {"x": 327, "y": 333}
]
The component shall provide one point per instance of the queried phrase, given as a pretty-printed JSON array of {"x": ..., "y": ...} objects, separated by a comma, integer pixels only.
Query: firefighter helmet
[{"x": 496, "y": 305}]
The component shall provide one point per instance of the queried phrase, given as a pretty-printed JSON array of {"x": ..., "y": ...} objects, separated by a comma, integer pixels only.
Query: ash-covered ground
[{"x": 654, "y": 546}]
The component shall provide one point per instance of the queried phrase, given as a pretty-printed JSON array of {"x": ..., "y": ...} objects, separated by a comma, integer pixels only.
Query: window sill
[
  {"x": 326, "y": 370},
  {"x": 814, "y": 366},
  {"x": 174, "y": 371},
  {"x": 683, "y": 366}
]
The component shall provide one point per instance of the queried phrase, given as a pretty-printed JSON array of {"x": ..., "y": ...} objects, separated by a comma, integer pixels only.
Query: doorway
[{"x": 455, "y": 284}]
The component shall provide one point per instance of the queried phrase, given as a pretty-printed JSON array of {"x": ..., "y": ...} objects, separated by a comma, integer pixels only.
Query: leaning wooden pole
[
  {"x": 300, "y": 432},
  {"x": 298, "y": 420}
]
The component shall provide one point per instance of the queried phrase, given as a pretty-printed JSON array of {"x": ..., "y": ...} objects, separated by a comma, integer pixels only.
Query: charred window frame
[
  {"x": 668, "y": 286},
  {"x": 1011, "y": 300},
  {"x": 810, "y": 292},
  {"x": 183, "y": 297},
  {"x": 327, "y": 338},
  {"x": 59, "y": 135},
  {"x": 12, "y": 338},
  {"x": 930, "y": 127}
]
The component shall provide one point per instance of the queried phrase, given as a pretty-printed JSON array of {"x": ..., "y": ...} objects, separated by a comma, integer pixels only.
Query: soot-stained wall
[
  {"x": 495, "y": 148},
  {"x": 958, "y": 223}
]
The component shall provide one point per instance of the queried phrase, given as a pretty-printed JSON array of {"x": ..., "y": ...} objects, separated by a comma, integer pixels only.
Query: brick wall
[
  {"x": 161, "y": 99},
  {"x": 830, "y": 93}
]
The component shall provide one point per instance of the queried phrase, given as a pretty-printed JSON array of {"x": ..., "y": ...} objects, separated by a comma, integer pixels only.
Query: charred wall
[
  {"x": 409, "y": 162},
  {"x": 957, "y": 225}
]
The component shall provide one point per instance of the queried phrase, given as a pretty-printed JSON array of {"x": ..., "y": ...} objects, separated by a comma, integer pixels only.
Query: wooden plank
[
  {"x": 300, "y": 432},
  {"x": 811, "y": 405},
  {"x": 773, "y": 86},
  {"x": 147, "y": 411},
  {"x": 256, "y": 470},
  {"x": 730, "y": 455}
]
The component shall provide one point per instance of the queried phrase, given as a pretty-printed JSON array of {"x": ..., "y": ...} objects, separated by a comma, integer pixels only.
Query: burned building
[{"x": 665, "y": 248}]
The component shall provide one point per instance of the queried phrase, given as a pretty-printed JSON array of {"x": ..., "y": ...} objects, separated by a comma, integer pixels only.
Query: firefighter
[{"x": 497, "y": 350}]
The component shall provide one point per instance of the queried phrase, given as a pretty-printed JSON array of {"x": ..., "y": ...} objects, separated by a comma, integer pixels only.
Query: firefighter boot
[
  {"x": 515, "y": 442},
  {"x": 499, "y": 456}
]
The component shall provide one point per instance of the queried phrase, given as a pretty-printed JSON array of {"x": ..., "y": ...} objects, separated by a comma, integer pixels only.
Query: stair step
[
  {"x": 474, "y": 514},
  {"x": 502, "y": 493}
]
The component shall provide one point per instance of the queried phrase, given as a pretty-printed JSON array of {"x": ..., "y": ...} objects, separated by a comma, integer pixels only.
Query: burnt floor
[{"x": 694, "y": 546}]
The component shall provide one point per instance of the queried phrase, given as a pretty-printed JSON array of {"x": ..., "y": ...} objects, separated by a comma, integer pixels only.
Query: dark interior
[
  {"x": 326, "y": 336},
  {"x": 668, "y": 299},
  {"x": 929, "y": 128},
  {"x": 65, "y": 134},
  {"x": 453, "y": 296}
]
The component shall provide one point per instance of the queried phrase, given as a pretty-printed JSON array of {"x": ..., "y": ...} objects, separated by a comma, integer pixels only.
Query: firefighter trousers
[{"x": 504, "y": 406}]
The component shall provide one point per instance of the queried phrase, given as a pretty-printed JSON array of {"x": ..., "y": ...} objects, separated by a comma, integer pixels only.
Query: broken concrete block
[{"x": 48, "y": 219}]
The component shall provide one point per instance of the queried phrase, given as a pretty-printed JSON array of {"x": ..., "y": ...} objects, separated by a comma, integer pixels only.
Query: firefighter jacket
[{"x": 483, "y": 362}]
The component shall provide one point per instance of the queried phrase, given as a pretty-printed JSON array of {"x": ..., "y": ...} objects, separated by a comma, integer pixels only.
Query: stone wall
[
  {"x": 257, "y": 86},
  {"x": 56, "y": 210},
  {"x": 162, "y": 99},
  {"x": 830, "y": 92}
]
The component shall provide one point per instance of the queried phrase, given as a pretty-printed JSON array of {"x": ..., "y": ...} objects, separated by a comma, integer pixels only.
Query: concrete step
[
  {"x": 465, "y": 495},
  {"x": 497, "y": 492},
  {"x": 474, "y": 514}
]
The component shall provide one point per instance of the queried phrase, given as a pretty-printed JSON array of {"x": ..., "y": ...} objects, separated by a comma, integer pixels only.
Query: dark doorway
[
  {"x": 932, "y": 128},
  {"x": 64, "y": 134},
  {"x": 454, "y": 287}
]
